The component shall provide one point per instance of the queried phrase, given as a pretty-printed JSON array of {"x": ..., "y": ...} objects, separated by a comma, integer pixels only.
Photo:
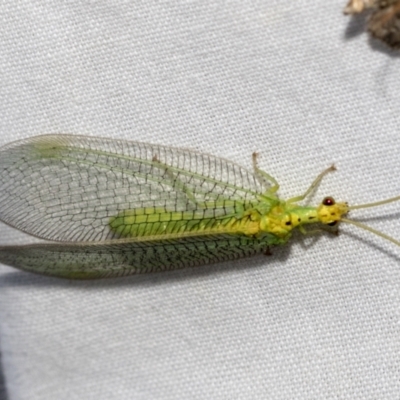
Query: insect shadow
[{"x": 355, "y": 26}]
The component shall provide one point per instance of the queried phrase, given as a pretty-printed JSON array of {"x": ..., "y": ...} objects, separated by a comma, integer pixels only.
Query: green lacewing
[{"x": 115, "y": 207}]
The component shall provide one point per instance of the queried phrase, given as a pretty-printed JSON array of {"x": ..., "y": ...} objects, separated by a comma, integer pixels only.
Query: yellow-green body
[{"x": 271, "y": 217}]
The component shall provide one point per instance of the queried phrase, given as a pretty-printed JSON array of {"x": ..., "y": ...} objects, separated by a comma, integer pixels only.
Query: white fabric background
[{"x": 295, "y": 81}]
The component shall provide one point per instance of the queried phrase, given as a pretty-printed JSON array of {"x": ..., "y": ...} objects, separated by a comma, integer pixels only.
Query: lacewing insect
[
  {"x": 384, "y": 19},
  {"x": 116, "y": 207}
]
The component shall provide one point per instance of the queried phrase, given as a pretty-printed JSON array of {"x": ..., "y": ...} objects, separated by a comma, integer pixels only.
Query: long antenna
[
  {"x": 368, "y": 228},
  {"x": 377, "y": 203}
]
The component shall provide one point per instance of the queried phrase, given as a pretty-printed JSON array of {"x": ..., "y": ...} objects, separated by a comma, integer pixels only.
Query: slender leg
[
  {"x": 313, "y": 186},
  {"x": 267, "y": 252},
  {"x": 262, "y": 175}
]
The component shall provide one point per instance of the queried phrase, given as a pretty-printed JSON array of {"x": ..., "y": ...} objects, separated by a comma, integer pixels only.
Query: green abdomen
[{"x": 157, "y": 221}]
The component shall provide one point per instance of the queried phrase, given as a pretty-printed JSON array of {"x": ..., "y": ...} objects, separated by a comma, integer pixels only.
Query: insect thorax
[{"x": 284, "y": 217}]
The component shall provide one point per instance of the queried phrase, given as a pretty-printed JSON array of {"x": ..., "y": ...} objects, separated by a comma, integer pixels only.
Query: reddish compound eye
[{"x": 328, "y": 201}]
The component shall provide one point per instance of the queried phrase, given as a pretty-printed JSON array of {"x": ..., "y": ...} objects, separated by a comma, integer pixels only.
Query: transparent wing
[
  {"x": 90, "y": 261},
  {"x": 67, "y": 188}
]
